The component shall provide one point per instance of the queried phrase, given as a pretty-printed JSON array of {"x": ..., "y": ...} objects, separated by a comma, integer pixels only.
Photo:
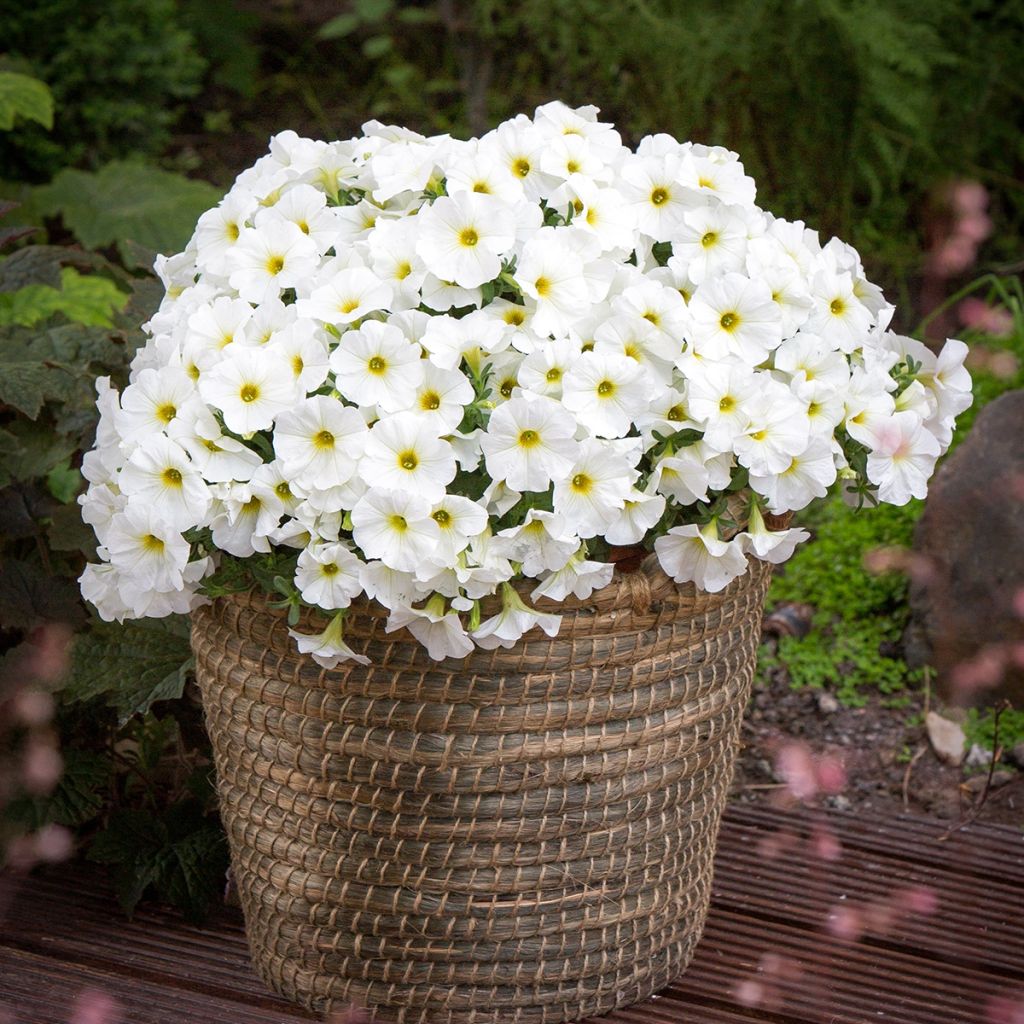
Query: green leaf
[
  {"x": 30, "y": 452},
  {"x": 373, "y": 10},
  {"x": 339, "y": 27},
  {"x": 28, "y": 596},
  {"x": 25, "y": 382},
  {"x": 90, "y": 301},
  {"x": 377, "y": 46},
  {"x": 25, "y": 97},
  {"x": 64, "y": 482},
  {"x": 131, "y": 665},
  {"x": 128, "y": 201},
  {"x": 81, "y": 793}
]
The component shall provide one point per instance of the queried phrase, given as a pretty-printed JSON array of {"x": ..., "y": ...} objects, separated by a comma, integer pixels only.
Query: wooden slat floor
[{"x": 895, "y": 924}]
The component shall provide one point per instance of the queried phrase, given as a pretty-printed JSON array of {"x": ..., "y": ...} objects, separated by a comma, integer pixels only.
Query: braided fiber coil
[{"x": 520, "y": 836}]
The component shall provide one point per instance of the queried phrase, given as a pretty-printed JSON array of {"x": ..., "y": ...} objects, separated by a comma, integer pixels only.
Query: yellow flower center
[
  {"x": 652, "y": 317},
  {"x": 521, "y": 167},
  {"x": 708, "y": 239},
  {"x": 507, "y": 386},
  {"x": 275, "y": 265},
  {"x": 330, "y": 569},
  {"x": 660, "y": 196},
  {"x": 324, "y": 440},
  {"x": 482, "y": 186},
  {"x": 231, "y": 230},
  {"x": 249, "y": 393},
  {"x": 514, "y": 316},
  {"x": 377, "y": 364},
  {"x": 554, "y": 375},
  {"x": 836, "y": 307},
  {"x": 282, "y": 490},
  {"x": 408, "y": 460},
  {"x": 727, "y": 403},
  {"x": 543, "y": 286},
  {"x": 572, "y": 166},
  {"x": 398, "y": 523},
  {"x": 442, "y": 517},
  {"x": 759, "y": 435},
  {"x": 252, "y": 506},
  {"x": 348, "y": 305},
  {"x": 403, "y": 270},
  {"x": 468, "y": 237},
  {"x": 303, "y": 226},
  {"x": 582, "y": 483},
  {"x": 430, "y": 400},
  {"x": 676, "y": 414},
  {"x": 297, "y": 365},
  {"x": 166, "y": 412},
  {"x": 529, "y": 439},
  {"x": 152, "y": 544},
  {"x": 729, "y": 321},
  {"x": 606, "y": 388},
  {"x": 172, "y": 477}
]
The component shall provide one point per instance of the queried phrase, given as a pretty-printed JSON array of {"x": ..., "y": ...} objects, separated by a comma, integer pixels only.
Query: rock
[
  {"x": 1016, "y": 754},
  {"x": 976, "y": 783},
  {"x": 970, "y": 565},
  {"x": 978, "y": 757},
  {"x": 946, "y": 737},
  {"x": 827, "y": 704},
  {"x": 839, "y": 802}
]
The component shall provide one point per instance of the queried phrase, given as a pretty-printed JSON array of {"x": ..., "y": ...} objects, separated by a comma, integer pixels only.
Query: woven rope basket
[{"x": 525, "y": 835}]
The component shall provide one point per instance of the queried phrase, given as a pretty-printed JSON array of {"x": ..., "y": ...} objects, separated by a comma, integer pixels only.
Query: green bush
[{"x": 118, "y": 69}]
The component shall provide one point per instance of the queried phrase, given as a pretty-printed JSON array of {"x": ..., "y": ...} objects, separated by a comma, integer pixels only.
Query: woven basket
[{"x": 525, "y": 835}]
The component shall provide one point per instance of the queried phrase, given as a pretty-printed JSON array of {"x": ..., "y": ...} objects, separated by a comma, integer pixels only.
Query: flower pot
[{"x": 523, "y": 835}]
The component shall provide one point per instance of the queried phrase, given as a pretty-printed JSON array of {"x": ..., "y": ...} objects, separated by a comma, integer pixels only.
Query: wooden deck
[{"x": 901, "y": 927}]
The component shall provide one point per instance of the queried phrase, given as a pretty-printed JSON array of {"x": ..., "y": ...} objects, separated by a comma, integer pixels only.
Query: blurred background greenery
[{"x": 895, "y": 124}]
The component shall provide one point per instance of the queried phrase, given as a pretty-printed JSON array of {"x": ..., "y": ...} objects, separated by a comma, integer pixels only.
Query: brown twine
[{"x": 523, "y": 836}]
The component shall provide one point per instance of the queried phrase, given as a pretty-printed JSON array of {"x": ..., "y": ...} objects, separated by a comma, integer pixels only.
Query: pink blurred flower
[
  {"x": 94, "y": 1006},
  {"x": 979, "y": 315}
]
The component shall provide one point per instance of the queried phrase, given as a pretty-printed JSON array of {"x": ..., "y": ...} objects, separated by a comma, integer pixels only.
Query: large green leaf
[
  {"x": 26, "y": 382},
  {"x": 90, "y": 300},
  {"x": 22, "y": 96},
  {"x": 127, "y": 201},
  {"x": 28, "y": 596},
  {"x": 131, "y": 665}
]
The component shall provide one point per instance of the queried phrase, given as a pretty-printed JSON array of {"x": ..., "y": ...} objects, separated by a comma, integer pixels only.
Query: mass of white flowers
[{"x": 421, "y": 369}]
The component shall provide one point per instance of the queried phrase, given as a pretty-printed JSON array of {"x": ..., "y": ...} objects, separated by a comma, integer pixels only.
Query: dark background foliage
[{"x": 854, "y": 115}]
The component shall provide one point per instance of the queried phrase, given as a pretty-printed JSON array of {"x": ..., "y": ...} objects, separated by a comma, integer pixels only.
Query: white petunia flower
[
  {"x": 440, "y": 631},
  {"x": 441, "y": 397},
  {"x": 327, "y": 575},
  {"x": 458, "y": 521},
  {"x": 578, "y": 577},
  {"x": 463, "y": 237},
  {"x": 347, "y": 296},
  {"x": 543, "y": 542},
  {"x": 376, "y": 365},
  {"x": 319, "y": 442},
  {"x": 515, "y": 618},
  {"x": 638, "y": 515},
  {"x": 594, "y": 490},
  {"x": 328, "y": 649},
  {"x": 734, "y": 315},
  {"x": 779, "y": 429},
  {"x": 837, "y": 315},
  {"x": 156, "y": 399},
  {"x": 403, "y": 452},
  {"x": 694, "y": 554},
  {"x": 528, "y": 442},
  {"x": 655, "y": 194},
  {"x": 250, "y": 387},
  {"x": 606, "y": 392},
  {"x": 775, "y": 546},
  {"x": 712, "y": 240},
  {"x": 902, "y": 458},
  {"x": 159, "y": 473},
  {"x": 146, "y": 548},
  {"x": 395, "y": 527},
  {"x": 541, "y": 372},
  {"x": 809, "y": 475},
  {"x": 550, "y": 274},
  {"x": 268, "y": 259}
]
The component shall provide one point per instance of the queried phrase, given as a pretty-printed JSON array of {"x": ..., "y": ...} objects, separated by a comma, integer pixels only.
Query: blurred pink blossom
[
  {"x": 979, "y": 315},
  {"x": 94, "y": 1006},
  {"x": 806, "y": 775}
]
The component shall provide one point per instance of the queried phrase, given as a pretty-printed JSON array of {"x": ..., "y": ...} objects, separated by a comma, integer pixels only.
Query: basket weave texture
[{"x": 524, "y": 835}]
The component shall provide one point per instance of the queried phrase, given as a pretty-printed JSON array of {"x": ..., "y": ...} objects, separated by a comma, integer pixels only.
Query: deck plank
[{"x": 767, "y": 942}]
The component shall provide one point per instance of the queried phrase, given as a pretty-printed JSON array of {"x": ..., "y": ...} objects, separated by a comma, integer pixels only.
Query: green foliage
[
  {"x": 131, "y": 665},
  {"x": 90, "y": 301},
  {"x": 127, "y": 202},
  {"x": 980, "y": 728},
  {"x": 859, "y": 617},
  {"x": 179, "y": 854},
  {"x": 24, "y": 97},
  {"x": 119, "y": 71}
]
